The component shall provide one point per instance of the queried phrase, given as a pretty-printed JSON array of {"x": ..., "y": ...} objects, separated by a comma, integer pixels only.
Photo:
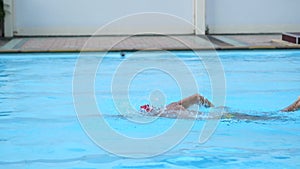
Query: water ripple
[{"x": 87, "y": 158}]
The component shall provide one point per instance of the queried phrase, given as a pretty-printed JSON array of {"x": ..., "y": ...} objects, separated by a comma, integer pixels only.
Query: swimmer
[
  {"x": 293, "y": 107},
  {"x": 178, "y": 109}
]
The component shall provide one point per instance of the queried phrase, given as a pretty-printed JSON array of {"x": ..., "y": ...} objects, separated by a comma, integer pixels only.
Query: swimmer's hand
[{"x": 206, "y": 103}]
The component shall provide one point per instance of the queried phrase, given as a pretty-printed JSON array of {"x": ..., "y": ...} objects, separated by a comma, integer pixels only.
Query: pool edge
[{"x": 167, "y": 49}]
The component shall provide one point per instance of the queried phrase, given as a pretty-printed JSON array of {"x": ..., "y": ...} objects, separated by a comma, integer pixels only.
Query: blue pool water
[{"x": 39, "y": 126}]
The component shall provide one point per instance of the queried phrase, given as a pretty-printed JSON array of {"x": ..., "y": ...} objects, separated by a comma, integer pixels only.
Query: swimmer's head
[{"x": 146, "y": 108}]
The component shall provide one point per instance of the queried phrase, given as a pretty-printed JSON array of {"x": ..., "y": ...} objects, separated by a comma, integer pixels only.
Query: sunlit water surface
[{"x": 39, "y": 126}]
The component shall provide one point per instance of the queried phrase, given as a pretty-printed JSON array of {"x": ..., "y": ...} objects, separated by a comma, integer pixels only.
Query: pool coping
[
  {"x": 132, "y": 50},
  {"x": 167, "y": 49},
  {"x": 232, "y": 42}
]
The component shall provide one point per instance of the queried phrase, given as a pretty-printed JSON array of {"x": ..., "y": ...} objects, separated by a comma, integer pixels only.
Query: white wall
[
  {"x": 84, "y": 17},
  {"x": 253, "y": 16}
]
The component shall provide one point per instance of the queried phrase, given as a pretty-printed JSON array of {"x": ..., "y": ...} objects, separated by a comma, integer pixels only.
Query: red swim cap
[{"x": 146, "y": 108}]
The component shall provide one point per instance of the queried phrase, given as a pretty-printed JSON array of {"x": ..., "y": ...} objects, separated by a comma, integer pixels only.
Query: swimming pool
[{"x": 40, "y": 129}]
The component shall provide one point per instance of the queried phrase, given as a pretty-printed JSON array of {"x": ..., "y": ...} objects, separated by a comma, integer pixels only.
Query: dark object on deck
[{"x": 291, "y": 37}]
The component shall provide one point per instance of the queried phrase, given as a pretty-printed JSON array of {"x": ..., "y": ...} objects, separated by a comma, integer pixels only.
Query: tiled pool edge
[
  {"x": 145, "y": 43},
  {"x": 167, "y": 49}
]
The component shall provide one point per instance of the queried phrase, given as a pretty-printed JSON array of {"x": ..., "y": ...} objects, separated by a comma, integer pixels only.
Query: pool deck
[{"x": 142, "y": 42}]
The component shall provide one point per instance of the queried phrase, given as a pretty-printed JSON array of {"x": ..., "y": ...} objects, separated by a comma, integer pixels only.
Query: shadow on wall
[{"x": 2, "y": 15}]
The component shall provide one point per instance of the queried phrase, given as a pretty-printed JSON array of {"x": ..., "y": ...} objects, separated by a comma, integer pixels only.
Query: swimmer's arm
[
  {"x": 293, "y": 107},
  {"x": 195, "y": 99}
]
